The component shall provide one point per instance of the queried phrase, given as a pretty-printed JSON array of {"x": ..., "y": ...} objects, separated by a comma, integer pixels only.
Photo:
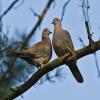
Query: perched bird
[
  {"x": 62, "y": 44},
  {"x": 39, "y": 53}
]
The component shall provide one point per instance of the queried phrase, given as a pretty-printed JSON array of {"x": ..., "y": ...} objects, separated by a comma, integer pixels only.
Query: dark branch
[
  {"x": 38, "y": 23},
  {"x": 19, "y": 4},
  {"x": 25, "y": 41},
  {"x": 95, "y": 57},
  {"x": 34, "y": 13},
  {"x": 8, "y": 9},
  {"x": 97, "y": 65},
  {"x": 82, "y": 42},
  {"x": 64, "y": 8},
  {"x": 9, "y": 46},
  {"x": 85, "y": 8},
  {"x": 88, "y": 32},
  {"x": 49, "y": 67}
]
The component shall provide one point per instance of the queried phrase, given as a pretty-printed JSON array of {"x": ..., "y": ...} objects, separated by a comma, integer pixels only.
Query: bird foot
[
  {"x": 41, "y": 65},
  {"x": 73, "y": 55}
]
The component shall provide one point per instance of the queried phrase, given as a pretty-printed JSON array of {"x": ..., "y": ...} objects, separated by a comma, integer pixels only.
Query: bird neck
[
  {"x": 58, "y": 28},
  {"x": 45, "y": 37}
]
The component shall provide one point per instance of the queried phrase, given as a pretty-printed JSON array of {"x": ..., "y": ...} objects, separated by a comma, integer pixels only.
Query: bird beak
[
  {"x": 50, "y": 32},
  {"x": 52, "y": 22}
]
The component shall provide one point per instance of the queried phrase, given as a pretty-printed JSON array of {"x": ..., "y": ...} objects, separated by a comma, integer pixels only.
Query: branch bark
[{"x": 49, "y": 67}]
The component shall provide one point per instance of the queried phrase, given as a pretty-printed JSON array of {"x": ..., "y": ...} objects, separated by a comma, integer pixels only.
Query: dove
[
  {"x": 37, "y": 54},
  {"x": 62, "y": 44}
]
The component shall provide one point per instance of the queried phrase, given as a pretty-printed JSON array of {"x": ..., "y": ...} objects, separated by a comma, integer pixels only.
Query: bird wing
[
  {"x": 62, "y": 42},
  {"x": 40, "y": 49},
  {"x": 68, "y": 39}
]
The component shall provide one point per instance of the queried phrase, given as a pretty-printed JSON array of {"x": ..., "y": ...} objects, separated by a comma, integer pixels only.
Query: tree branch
[
  {"x": 8, "y": 9},
  {"x": 64, "y": 8},
  {"x": 38, "y": 23},
  {"x": 49, "y": 67},
  {"x": 88, "y": 32},
  {"x": 25, "y": 41}
]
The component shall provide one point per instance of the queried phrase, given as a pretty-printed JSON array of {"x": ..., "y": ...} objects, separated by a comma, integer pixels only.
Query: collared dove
[
  {"x": 39, "y": 53},
  {"x": 62, "y": 44}
]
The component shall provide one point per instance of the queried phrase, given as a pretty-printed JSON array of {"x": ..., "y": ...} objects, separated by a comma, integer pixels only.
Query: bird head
[
  {"x": 46, "y": 33},
  {"x": 56, "y": 21}
]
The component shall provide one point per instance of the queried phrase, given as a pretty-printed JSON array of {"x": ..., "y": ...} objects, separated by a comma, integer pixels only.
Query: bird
[
  {"x": 37, "y": 54},
  {"x": 62, "y": 44}
]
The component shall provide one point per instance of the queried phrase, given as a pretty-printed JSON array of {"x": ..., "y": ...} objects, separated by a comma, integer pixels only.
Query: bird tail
[
  {"x": 76, "y": 73},
  {"x": 12, "y": 53}
]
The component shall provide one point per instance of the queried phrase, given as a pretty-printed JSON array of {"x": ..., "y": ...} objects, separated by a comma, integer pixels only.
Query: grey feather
[
  {"x": 37, "y": 54},
  {"x": 62, "y": 44}
]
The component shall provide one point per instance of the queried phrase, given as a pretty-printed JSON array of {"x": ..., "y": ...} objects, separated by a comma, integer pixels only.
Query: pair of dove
[{"x": 41, "y": 52}]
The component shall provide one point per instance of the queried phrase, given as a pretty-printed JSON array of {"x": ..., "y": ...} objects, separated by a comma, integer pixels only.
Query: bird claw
[
  {"x": 41, "y": 65},
  {"x": 72, "y": 55},
  {"x": 67, "y": 54}
]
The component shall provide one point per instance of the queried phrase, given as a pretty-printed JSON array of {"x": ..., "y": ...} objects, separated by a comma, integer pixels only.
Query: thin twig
[
  {"x": 38, "y": 23},
  {"x": 82, "y": 42},
  {"x": 8, "y": 9},
  {"x": 64, "y": 8},
  {"x": 97, "y": 66},
  {"x": 19, "y": 4},
  {"x": 95, "y": 57},
  {"x": 34, "y": 13},
  {"x": 88, "y": 32},
  {"x": 9, "y": 46}
]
